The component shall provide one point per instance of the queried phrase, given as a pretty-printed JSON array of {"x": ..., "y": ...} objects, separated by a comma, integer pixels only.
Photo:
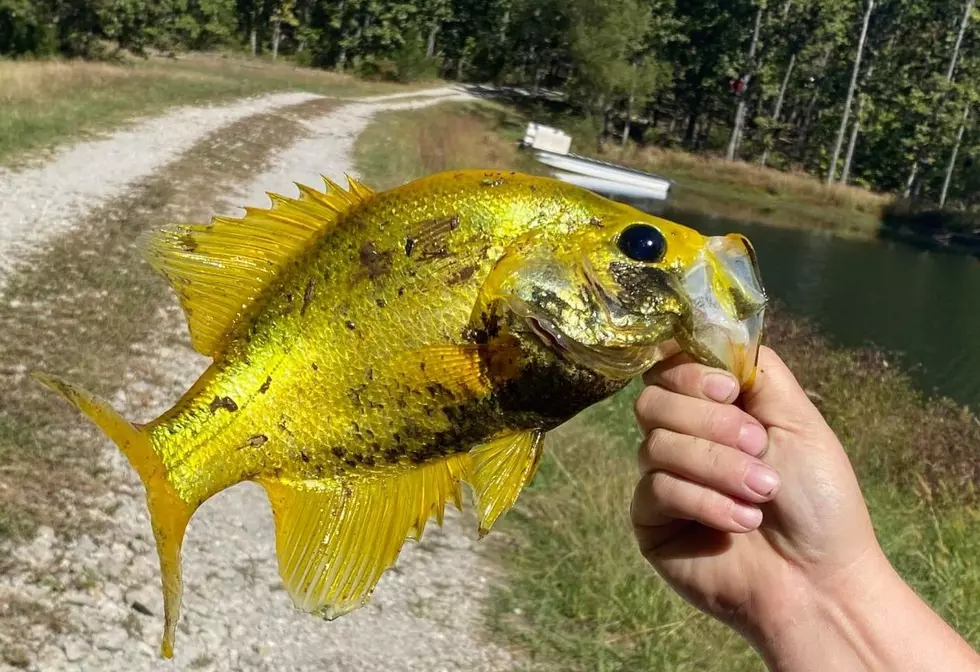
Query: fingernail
[
  {"x": 761, "y": 480},
  {"x": 752, "y": 439},
  {"x": 720, "y": 387},
  {"x": 749, "y": 517}
]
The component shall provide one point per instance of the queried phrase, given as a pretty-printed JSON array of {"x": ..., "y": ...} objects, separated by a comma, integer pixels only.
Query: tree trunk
[
  {"x": 909, "y": 182},
  {"x": 952, "y": 159},
  {"x": 740, "y": 108},
  {"x": 855, "y": 130},
  {"x": 779, "y": 104},
  {"x": 253, "y": 41},
  {"x": 430, "y": 47},
  {"x": 629, "y": 108},
  {"x": 276, "y": 35},
  {"x": 959, "y": 40},
  {"x": 832, "y": 172}
]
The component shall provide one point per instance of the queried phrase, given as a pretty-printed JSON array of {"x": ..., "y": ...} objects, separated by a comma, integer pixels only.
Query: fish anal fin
[
  {"x": 501, "y": 468},
  {"x": 335, "y": 539},
  {"x": 218, "y": 270}
]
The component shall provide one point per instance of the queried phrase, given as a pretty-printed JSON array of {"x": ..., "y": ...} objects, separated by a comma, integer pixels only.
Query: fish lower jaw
[{"x": 617, "y": 362}]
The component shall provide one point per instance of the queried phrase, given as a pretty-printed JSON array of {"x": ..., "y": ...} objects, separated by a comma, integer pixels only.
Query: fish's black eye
[{"x": 642, "y": 242}]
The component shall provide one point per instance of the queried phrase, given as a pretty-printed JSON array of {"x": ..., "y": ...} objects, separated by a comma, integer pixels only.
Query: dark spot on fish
[
  {"x": 433, "y": 251},
  {"x": 303, "y": 456},
  {"x": 374, "y": 262},
  {"x": 369, "y": 433},
  {"x": 381, "y": 303},
  {"x": 188, "y": 242},
  {"x": 265, "y": 385},
  {"x": 401, "y": 402},
  {"x": 533, "y": 188},
  {"x": 391, "y": 455},
  {"x": 401, "y": 291},
  {"x": 422, "y": 365},
  {"x": 454, "y": 222},
  {"x": 596, "y": 222},
  {"x": 315, "y": 367},
  {"x": 351, "y": 463},
  {"x": 350, "y": 325},
  {"x": 462, "y": 275},
  {"x": 370, "y": 374},
  {"x": 369, "y": 461},
  {"x": 409, "y": 246},
  {"x": 226, "y": 403},
  {"x": 307, "y": 295},
  {"x": 356, "y": 427},
  {"x": 355, "y": 394},
  {"x": 289, "y": 297},
  {"x": 338, "y": 451},
  {"x": 258, "y": 440}
]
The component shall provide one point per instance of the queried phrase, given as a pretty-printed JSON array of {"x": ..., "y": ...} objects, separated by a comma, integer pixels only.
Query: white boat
[{"x": 551, "y": 148}]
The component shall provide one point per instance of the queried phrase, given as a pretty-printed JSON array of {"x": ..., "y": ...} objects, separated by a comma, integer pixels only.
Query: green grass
[
  {"x": 44, "y": 103},
  {"x": 578, "y": 596}
]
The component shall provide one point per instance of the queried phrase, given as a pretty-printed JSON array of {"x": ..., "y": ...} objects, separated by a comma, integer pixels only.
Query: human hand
[{"x": 748, "y": 514}]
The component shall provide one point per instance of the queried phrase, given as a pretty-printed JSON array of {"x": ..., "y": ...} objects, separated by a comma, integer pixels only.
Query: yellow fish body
[{"x": 373, "y": 351}]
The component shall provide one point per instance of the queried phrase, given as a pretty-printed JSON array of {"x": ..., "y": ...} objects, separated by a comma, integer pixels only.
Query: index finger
[{"x": 683, "y": 375}]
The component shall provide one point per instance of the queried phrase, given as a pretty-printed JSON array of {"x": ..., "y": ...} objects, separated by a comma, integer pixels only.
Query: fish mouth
[{"x": 728, "y": 307}]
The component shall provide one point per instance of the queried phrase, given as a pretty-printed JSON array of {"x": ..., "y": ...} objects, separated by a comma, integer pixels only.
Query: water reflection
[{"x": 924, "y": 305}]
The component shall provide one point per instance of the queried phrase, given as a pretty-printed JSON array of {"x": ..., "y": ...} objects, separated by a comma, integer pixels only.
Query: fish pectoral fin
[
  {"x": 457, "y": 368},
  {"x": 499, "y": 471},
  {"x": 334, "y": 540},
  {"x": 218, "y": 270}
]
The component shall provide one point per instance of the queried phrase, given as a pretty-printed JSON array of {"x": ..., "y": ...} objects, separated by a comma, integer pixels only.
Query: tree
[{"x": 832, "y": 171}]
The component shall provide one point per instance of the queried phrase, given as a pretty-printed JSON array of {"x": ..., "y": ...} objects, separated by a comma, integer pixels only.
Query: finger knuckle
[
  {"x": 645, "y": 403},
  {"x": 657, "y": 443},
  {"x": 722, "y": 424}
]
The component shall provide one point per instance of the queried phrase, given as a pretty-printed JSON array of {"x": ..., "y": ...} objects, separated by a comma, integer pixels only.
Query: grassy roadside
[
  {"x": 43, "y": 103},
  {"x": 579, "y": 597}
]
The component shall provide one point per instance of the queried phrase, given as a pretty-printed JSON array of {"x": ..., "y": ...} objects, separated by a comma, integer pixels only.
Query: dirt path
[{"x": 92, "y": 602}]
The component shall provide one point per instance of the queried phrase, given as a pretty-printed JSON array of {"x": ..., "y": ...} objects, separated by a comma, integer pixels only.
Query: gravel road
[{"x": 426, "y": 613}]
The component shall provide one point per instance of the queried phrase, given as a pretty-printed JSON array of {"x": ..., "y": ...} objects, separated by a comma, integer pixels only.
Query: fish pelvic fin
[
  {"x": 499, "y": 471},
  {"x": 335, "y": 539},
  {"x": 169, "y": 514}
]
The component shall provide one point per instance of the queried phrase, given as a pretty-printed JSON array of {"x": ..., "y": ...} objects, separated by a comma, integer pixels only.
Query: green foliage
[{"x": 671, "y": 71}]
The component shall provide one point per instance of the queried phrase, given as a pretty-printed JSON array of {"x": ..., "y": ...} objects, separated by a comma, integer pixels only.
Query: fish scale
[{"x": 373, "y": 352}]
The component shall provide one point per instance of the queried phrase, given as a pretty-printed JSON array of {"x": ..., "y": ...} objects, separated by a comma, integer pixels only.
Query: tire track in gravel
[{"x": 427, "y": 612}]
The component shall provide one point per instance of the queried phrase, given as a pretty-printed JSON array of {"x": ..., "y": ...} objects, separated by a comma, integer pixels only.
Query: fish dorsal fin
[
  {"x": 219, "y": 269},
  {"x": 335, "y": 539},
  {"x": 499, "y": 470}
]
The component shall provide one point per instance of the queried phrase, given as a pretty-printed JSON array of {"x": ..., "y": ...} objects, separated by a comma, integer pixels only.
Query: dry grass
[
  {"x": 44, "y": 103},
  {"x": 796, "y": 185},
  {"x": 43, "y": 80},
  {"x": 402, "y": 146}
]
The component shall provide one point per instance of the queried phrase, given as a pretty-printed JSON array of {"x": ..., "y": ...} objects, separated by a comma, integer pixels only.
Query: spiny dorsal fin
[
  {"x": 218, "y": 270},
  {"x": 335, "y": 540}
]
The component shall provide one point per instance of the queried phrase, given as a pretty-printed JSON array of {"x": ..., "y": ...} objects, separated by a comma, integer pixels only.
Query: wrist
[{"x": 866, "y": 618}]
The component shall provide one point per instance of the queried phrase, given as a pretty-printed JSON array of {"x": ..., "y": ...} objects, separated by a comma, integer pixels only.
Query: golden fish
[{"x": 373, "y": 351}]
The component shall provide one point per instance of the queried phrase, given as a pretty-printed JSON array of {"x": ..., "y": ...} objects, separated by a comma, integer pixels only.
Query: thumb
[{"x": 776, "y": 399}]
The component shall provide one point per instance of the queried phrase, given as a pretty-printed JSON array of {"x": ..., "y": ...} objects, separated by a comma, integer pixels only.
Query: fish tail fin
[{"x": 169, "y": 514}]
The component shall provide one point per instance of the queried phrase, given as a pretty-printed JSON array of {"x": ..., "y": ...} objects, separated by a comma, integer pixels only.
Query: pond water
[{"x": 924, "y": 306}]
